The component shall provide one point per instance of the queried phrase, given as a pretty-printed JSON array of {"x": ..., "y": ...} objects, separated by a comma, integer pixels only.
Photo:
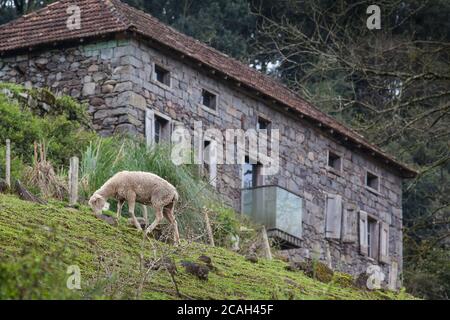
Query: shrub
[
  {"x": 64, "y": 128},
  {"x": 224, "y": 223},
  {"x": 317, "y": 270},
  {"x": 17, "y": 166},
  {"x": 429, "y": 278},
  {"x": 20, "y": 126},
  {"x": 343, "y": 279}
]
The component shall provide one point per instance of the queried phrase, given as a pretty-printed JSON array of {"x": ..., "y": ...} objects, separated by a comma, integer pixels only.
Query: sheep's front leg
[
  {"x": 119, "y": 210},
  {"x": 158, "y": 218},
  {"x": 131, "y": 206},
  {"x": 145, "y": 214}
]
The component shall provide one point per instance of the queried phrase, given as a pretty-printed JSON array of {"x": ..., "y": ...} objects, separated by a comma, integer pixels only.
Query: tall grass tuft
[{"x": 106, "y": 156}]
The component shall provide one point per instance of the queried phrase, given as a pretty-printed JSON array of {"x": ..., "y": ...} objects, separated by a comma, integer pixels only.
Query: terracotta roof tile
[
  {"x": 48, "y": 25},
  {"x": 100, "y": 17}
]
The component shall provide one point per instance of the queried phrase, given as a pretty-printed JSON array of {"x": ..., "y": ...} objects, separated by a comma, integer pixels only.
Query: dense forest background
[{"x": 391, "y": 84}]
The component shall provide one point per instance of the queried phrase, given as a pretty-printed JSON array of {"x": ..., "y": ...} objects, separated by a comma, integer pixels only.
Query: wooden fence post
[
  {"x": 208, "y": 228},
  {"x": 265, "y": 244},
  {"x": 8, "y": 163},
  {"x": 73, "y": 181}
]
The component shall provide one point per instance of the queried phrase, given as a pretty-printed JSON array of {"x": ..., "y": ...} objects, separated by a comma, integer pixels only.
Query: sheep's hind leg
[
  {"x": 168, "y": 213},
  {"x": 158, "y": 218},
  {"x": 131, "y": 205}
]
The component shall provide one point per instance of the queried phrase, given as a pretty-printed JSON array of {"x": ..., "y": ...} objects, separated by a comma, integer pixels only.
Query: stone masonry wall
[
  {"x": 89, "y": 73},
  {"x": 115, "y": 79}
]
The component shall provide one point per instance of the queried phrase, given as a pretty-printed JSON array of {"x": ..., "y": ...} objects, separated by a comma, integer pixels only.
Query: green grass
[{"x": 109, "y": 261}]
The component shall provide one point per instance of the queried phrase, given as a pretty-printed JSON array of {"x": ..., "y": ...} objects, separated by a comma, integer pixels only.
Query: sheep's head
[{"x": 98, "y": 203}]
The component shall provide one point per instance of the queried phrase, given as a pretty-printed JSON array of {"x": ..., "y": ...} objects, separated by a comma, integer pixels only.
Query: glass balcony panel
[
  {"x": 289, "y": 212},
  {"x": 274, "y": 207}
]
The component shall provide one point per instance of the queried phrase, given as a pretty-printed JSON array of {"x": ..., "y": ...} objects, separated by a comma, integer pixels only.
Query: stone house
[{"x": 336, "y": 197}]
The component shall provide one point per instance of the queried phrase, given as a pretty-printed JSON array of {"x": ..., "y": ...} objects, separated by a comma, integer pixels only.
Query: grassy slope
[{"x": 86, "y": 238}]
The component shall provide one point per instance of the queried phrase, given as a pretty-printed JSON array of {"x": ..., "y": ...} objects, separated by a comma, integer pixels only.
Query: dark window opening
[
  {"x": 209, "y": 99},
  {"x": 251, "y": 174},
  {"x": 209, "y": 169},
  {"x": 263, "y": 124},
  {"x": 162, "y": 75},
  {"x": 206, "y": 156},
  {"x": 372, "y": 181},
  {"x": 162, "y": 129},
  {"x": 334, "y": 161}
]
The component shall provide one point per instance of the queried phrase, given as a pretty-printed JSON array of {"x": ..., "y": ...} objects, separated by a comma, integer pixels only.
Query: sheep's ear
[{"x": 94, "y": 199}]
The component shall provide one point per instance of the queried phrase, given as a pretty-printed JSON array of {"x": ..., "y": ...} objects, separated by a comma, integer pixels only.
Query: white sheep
[{"x": 142, "y": 187}]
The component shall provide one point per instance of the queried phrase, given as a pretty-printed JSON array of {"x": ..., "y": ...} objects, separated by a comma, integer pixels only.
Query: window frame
[
  {"x": 150, "y": 132},
  {"x": 366, "y": 182},
  {"x": 167, "y": 126},
  {"x": 264, "y": 119},
  {"x": 372, "y": 239},
  {"x": 212, "y": 165},
  {"x": 372, "y": 236},
  {"x": 258, "y": 179},
  {"x": 154, "y": 76},
  {"x": 341, "y": 162},
  {"x": 362, "y": 233},
  {"x": 216, "y": 100}
]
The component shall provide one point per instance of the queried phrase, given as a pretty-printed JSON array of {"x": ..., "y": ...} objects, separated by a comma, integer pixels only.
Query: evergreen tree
[
  {"x": 11, "y": 9},
  {"x": 223, "y": 24},
  {"x": 393, "y": 86}
]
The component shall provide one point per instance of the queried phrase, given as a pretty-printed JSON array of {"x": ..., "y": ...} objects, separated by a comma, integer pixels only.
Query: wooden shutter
[
  {"x": 363, "y": 230},
  {"x": 384, "y": 242},
  {"x": 174, "y": 124},
  {"x": 333, "y": 216},
  {"x": 167, "y": 132},
  {"x": 149, "y": 127},
  {"x": 393, "y": 276},
  {"x": 172, "y": 128},
  {"x": 349, "y": 224}
]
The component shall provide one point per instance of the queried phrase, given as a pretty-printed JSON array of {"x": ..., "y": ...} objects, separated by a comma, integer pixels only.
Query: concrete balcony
[{"x": 276, "y": 208}]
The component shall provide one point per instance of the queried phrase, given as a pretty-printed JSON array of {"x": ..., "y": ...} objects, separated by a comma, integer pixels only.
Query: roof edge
[
  {"x": 328, "y": 124},
  {"x": 405, "y": 171}
]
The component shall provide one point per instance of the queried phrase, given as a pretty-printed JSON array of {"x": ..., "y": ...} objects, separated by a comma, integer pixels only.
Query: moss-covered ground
[{"x": 111, "y": 259}]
